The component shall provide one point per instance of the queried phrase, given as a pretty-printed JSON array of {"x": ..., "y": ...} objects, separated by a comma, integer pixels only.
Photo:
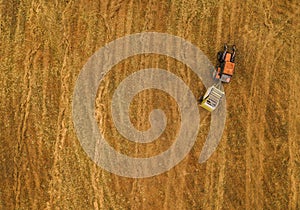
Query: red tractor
[{"x": 225, "y": 68}]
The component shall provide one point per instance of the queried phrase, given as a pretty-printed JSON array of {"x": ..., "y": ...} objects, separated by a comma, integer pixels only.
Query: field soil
[{"x": 45, "y": 44}]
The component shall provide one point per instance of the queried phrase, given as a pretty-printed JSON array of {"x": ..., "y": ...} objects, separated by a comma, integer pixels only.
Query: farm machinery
[{"x": 223, "y": 73}]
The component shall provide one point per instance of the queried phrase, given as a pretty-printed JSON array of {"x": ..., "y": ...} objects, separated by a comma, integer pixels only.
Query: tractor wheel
[
  {"x": 200, "y": 99},
  {"x": 232, "y": 59},
  {"x": 233, "y": 54},
  {"x": 219, "y": 56},
  {"x": 225, "y": 47}
]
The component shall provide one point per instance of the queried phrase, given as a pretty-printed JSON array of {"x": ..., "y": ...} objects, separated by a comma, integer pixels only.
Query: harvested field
[{"x": 45, "y": 45}]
